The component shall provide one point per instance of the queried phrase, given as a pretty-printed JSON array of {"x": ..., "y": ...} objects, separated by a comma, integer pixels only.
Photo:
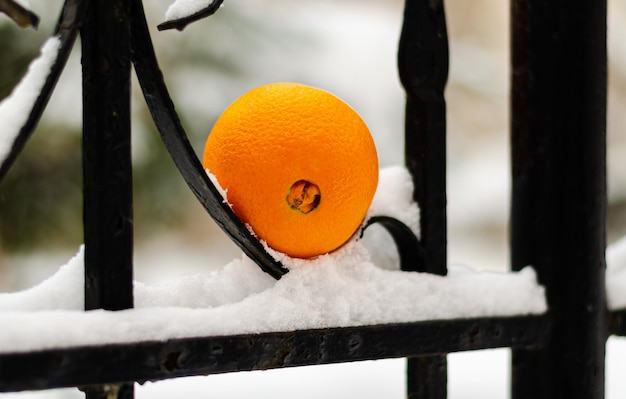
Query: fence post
[
  {"x": 558, "y": 134},
  {"x": 107, "y": 172},
  {"x": 423, "y": 68}
]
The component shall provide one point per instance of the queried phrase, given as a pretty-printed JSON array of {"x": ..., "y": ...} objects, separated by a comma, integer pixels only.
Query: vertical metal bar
[
  {"x": 423, "y": 67},
  {"x": 427, "y": 377},
  {"x": 119, "y": 391},
  {"x": 559, "y": 189},
  {"x": 106, "y": 156},
  {"x": 107, "y": 172}
]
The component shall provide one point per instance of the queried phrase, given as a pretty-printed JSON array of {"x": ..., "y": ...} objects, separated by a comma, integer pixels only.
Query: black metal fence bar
[
  {"x": 423, "y": 68},
  {"x": 617, "y": 323},
  {"x": 107, "y": 169},
  {"x": 559, "y": 189},
  {"x": 146, "y": 361},
  {"x": 107, "y": 166}
]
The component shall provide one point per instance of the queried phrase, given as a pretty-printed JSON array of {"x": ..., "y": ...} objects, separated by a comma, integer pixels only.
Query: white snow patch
[
  {"x": 15, "y": 108},
  {"x": 184, "y": 8},
  {"x": 394, "y": 197},
  {"x": 616, "y": 275},
  {"x": 63, "y": 290},
  {"x": 222, "y": 191},
  {"x": 338, "y": 290},
  {"x": 344, "y": 288}
]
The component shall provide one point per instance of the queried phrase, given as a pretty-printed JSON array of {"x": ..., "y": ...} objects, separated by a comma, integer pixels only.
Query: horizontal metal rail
[{"x": 151, "y": 361}]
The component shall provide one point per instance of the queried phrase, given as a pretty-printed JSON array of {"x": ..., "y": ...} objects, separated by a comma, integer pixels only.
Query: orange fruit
[{"x": 298, "y": 164}]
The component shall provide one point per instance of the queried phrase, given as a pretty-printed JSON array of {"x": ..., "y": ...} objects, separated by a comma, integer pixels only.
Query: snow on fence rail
[
  {"x": 342, "y": 289},
  {"x": 340, "y": 307}
]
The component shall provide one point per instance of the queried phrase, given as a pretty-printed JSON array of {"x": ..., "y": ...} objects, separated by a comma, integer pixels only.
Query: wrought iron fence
[{"x": 558, "y": 210}]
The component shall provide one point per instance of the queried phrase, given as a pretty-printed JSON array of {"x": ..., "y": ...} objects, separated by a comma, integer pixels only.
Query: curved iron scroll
[
  {"x": 181, "y": 23},
  {"x": 412, "y": 255},
  {"x": 175, "y": 139},
  {"x": 70, "y": 20},
  {"x": 21, "y": 15}
]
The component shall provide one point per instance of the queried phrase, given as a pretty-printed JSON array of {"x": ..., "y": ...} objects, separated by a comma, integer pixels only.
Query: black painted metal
[
  {"x": 111, "y": 391},
  {"x": 412, "y": 255},
  {"x": 106, "y": 157},
  {"x": 175, "y": 139},
  {"x": 21, "y": 15},
  {"x": 559, "y": 189},
  {"x": 66, "y": 30},
  {"x": 617, "y": 323},
  {"x": 107, "y": 169},
  {"x": 182, "y": 23},
  {"x": 146, "y": 361},
  {"x": 423, "y": 67},
  {"x": 427, "y": 377}
]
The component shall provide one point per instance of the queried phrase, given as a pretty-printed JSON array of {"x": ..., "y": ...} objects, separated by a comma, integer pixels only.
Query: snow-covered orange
[{"x": 298, "y": 165}]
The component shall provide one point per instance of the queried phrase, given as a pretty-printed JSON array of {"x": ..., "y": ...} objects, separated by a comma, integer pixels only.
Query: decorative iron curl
[
  {"x": 68, "y": 25},
  {"x": 173, "y": 135},
  {"x": 21, "y": 15},
  {"x": 181, "y": 23},
  {"x": 410, "y": 251}
]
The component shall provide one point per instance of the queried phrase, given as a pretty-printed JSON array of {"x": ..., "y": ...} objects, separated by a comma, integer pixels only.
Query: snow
[
  {"x": 340, "y": 289},
  {"x": 616, "y": 275},
  {"x": 63, "y": 290},
  {"x": 15, "y": 109},
  {"x": 223, "y": 191},
  {"x": 184, "y": 8},
  {"x": 393, "y": 198}
]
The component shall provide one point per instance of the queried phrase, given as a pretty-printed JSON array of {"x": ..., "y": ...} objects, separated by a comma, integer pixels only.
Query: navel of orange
[{"x": 299, "y": 166}]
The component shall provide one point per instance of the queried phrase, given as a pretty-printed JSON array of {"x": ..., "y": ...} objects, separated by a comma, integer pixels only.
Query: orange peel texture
[{"x": 299, "y": 166}]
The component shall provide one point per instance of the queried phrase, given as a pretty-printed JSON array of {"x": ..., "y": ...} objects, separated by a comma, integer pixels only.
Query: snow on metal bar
[
  {"x": 345, "y": 288},
  {"x": 15, "y": 109},
  {"x": 21, "y": 111},
  {"x": 183, "y": 12}
]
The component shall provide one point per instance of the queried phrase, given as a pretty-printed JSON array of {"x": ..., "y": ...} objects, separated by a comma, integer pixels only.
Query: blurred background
[{"x": 345, "y": 46}]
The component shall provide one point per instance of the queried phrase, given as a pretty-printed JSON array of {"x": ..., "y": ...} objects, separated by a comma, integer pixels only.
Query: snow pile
[
  {"x": 64, "y": 290},
  {"x": 184, "y": 8},
  {"x": 335, "y": 290},
  {"x": 15, "y": 109},
  {"x": 394, "y": 197}
]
